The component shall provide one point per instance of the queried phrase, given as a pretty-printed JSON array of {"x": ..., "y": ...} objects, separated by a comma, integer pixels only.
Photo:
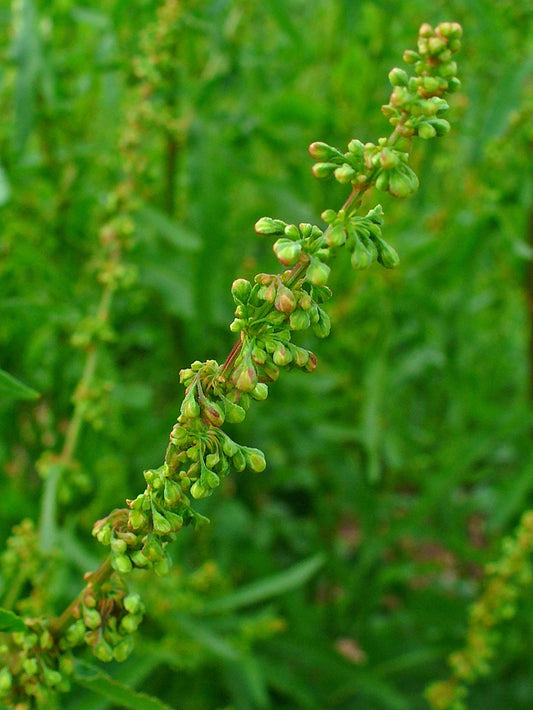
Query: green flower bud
[
  {"x": 190, "y": 407},
  {"x": 199, "y": 491},
  {"x": 172, "y": 492},
  {"x": 270, "y": 372},
  {"x": 137, "y": 519},
  {"x": 130, "y": 623},
  {"x": 282, "y": 356},
  {"x": 361, "y": 257},
  {"x": 123, "y": 650},
  {"x": 133, "y": 604},
  {"x": 139, "y": 559},
  {"x": 260, "y": 391},
  {"x": 382, "y": 181},
  {"x": 118, "y": 546},
  {"x": 388, "y": 158},
  {"x": 323, "y": 326},
  {"x": 441, "y": 126},
  {"x": 121, "y": 563},
  {"x": 92, "y": 618},
  {"x": 323, "y": 170},
  {"x": 238, "y": 461},
  {"x": 175, "y": 520},
  {"x": 245, "y": 378},
  {"x": 301, "y": 356},
  {"x": 285, "y": 301},
  {"x": 398, "y": 77},
  {"x": 153, "y": 548},
  {"x": 255, "y": 459},
  {"x": 267, "y": 226},
  {"x": 75, "y": 632},
  {"x": 329, "y": 216},
  {"x": 345, "y": 173},
  {"x": 299, "y": 320},
  {"x": 212, "y": 413},
  {"x": 387, "y": 255},
  {"x": 287, "y": 251},
  {"x": 356, "y": 148},
  {"x": 402, "y": 183},
  {"x": 236, "y": 326},
  {"x": 160, "y": 523},
  {"x": 426, "y": 131},
  {"x": 318, "y": 272},
  {"x": 410, "y": 56},
  {"x": 103, "y": 651},
  {"x": 229, "y": 447},
  {"x": 324, "y": 152},
  {"x": 240, "y": 290},
  {"x": 103, "y": 534},
  {"x": 336, "y": 237},
  {"x": 292, "y": 232}
]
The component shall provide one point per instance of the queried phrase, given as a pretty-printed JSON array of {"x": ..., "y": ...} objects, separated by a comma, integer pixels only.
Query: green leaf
[
  {"x": 269, "y": 587},
  {"x": 11, "y": 387},
  {"x": 93, "y": 678},
  {"x": 175, "y": 233},
  {"x": 10, "y": 622}
]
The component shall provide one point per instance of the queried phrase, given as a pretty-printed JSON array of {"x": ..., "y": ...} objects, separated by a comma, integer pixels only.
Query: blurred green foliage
[{"x": 400, "y": 462}]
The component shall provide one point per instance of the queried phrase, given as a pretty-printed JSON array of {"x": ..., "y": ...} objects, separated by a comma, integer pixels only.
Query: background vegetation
[{"x": 396, "y": 468}]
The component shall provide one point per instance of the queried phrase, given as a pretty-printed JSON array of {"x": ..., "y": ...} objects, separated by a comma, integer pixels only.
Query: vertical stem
[{"x": 529, "y": 300}]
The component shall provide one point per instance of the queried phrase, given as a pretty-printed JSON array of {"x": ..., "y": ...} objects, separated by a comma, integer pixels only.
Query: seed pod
[
  {"x": 118, "y": 546},
  {"x": 229, "y": 447},
  {"x": 92, "y": 618},
  {"x": 190, "y": 408},
  {"x": 209, "y": 478},
  {"x": 426, "y": 130},
  {"x": 123, "y": 649},
  {"x": 175, "y": 520},
  {"x": 238, "y": 460},
  {"x": 311, "y": 363},
  {"x": 137, "y": 519},
  {"x": 361, "y": 257},
  {"x": 152, "y": 548},
  {"x": 300, "y": 356},
  {"x": 267, "y": 226},
  {"x": 234, "y": 413},
  {"x": 402, "y": 183},
  {"x": 172, "y": 492},
  {"x": 162, "y": 566}
]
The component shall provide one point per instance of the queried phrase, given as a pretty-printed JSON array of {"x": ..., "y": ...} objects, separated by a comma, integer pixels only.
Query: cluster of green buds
[
  {"x": 506, "y": 580},
  {"x": 415, "y": 108},
  {"x": 105, "y": 617},
  {"x": 33, "y": 669}
]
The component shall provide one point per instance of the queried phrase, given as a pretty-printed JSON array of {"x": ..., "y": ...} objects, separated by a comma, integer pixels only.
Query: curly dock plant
[{"x": 37, "y": 658}]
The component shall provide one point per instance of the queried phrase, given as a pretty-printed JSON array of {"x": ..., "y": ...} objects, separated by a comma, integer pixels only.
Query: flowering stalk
[{"x": 268, "y": 312}]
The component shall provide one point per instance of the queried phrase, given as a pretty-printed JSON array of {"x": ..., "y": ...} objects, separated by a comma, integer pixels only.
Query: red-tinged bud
[
  {"x": 240, "y": 290},
  {"x": 410, "y": 56},
  {"x": 311, "y": 363},
  {"x": 285, "y": 300},
  {"x": 270, "y": 372},
  {"x": 336, "y": 237},
  {"x": 345, "y": 173},
  {"x": 323, "y": 152},
  {"x": 301, "y": 356},
  {"x": 287, "y": 251},
  {"x": 282, "y": 356},
  {"x": 259, "y": 356},
  {"x": 267, "y": 226},
  {"x": 212, "y": 414},
  {"x": 270, "y": 293},
  {"x": 245, "y": 378}
]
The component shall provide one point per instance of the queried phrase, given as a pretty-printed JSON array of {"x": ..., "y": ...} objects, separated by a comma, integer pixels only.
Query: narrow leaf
[
  {"x": 10, "y": 622},
  {"x": 269, "y": 587},
  {"x": 93, "y": 678},
  {"x": 5, "y": 189},
  {"x": 11, "y": 387}
]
